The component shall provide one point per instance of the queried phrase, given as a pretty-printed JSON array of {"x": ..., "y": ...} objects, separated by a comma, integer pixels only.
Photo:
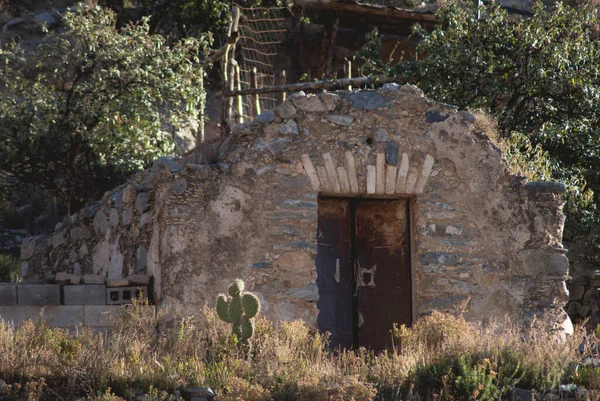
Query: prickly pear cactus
[{"x": 238, "y": 308}]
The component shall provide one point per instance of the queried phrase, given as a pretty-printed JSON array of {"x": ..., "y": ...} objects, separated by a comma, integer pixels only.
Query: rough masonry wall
[{"x": 480, "y": 236}]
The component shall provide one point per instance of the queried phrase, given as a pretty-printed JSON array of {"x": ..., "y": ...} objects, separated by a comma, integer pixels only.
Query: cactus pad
[{"x": 239, "y": 309}]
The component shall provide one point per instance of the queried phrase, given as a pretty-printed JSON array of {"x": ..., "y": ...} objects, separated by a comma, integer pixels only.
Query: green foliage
[
  {"x": 10, "y": 269},
  {"x": 239, "y": 309},
  {"x": 87, "y": 108},
  {"x": 538, "y": 76}
]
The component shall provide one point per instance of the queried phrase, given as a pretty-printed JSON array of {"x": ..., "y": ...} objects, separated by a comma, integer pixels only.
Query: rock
[
  {"x": 518, "y": 394},
  {"x": 343, "y": 120},
  {"x": 141, "y": 259},
  {"x": 31, "y": 245},
  {"x": 100, "y": 222},
  {"x": 391, "y": 153},
  {"x": 58, "y": 239},
  {"x": 285, "y": 110},
  {"x": 309, "y": 292},
  {"x": 46, "y": 19},
  {"x": 190, "y": 394},
  {"x": 310, "y": 104},
  {"x": 127, "y": 216},
  {"x": 330, "y": 100},
  {"x": 93, "y": 279},
  {"x": 468, "y": 117},
  {"x": 129, "y": 194},
  {"x": 539, "y": 187},
  {"x": 576, "y": 292},
  {"x": 289, "y": 127},
  {"x": 141, "y": 202},
  {"x": 68, "y": 278},
  {"x": 265, "y": 117},
  {"x": 179, "y": 186},
  {"x": 435, "y": 116},
  {"x": 367, "y": 100}
]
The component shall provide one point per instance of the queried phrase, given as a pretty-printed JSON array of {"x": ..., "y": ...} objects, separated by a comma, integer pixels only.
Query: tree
[
  {"x": 86, "y": 108},
  {"x": 538, "y": 76}
]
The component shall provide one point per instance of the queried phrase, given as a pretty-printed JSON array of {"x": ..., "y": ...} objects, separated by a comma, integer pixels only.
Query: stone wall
[{"x": 480, "y": 236}]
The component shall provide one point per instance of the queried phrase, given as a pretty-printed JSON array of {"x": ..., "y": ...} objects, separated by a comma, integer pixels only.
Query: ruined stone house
[{"x": 350, "y": 210}]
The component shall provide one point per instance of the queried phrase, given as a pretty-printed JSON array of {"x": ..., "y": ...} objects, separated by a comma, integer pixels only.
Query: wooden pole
[
  {"x": 240, "y": 104},
  {"x": 331, "y": 46},
  {"x": 202, "y": 107},
  {"x": 228, "y": 70},
  {"x": 282, "y": 96},
  {"x": 255, "y": 97},
  {"x": 348, "y": 68},
  {"x": 329, "y": 84}
]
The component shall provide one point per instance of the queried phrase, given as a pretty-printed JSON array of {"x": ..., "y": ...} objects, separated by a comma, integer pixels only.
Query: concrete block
[
  {"x": 121, "y": 282},
  {"x": 124, "y": 295},
  {"x": 17, "y": 315},
  {"x": 38, "y": 294},
  {"x": 93, "y": 279},
  {"x": 99, "y": 315},
  {"x": 54, "y": 316},
  {"x": 8, "y": 295},
  {"x": 139, "y": 279},
  {"x": 91, "y": 294}
]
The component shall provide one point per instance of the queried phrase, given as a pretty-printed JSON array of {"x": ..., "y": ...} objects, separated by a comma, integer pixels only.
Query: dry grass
[{"x": 284, "y": 362}]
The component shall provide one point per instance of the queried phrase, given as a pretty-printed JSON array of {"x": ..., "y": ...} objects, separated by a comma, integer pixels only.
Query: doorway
[{"x": 363, "y": 270}]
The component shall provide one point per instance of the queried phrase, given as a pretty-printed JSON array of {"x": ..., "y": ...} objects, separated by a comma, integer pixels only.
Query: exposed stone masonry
[{"x": 481, "y": 237}]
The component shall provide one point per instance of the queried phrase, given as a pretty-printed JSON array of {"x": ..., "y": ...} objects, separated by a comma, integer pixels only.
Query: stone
[
  {"x": 391, "y": 153},
  {"x": 285, "y": 110},
  {"x": 8, "y": 294},
  {"x": 123, "y": 282},
  {"x": 435, "y": 116},
  {"x": 67, "y": 278},
  {"x": 76, "y": 233},
  {"x": 288, "y": 127},
  {"x": 343, "y": 120},
  {"x": 179, "y": 186},
  {"x": 310, "y": 103},
  {"x": 309, "y": 292},
  {"x": 518, "y": 394},
  {"x": 440, "y": 258},
  {"x": 127, "y": 216},
  {"x": 329, "y": 100},
  {"x": 443, "y": 304},
  {"x": 367, "y": 100},
  {"x": 541, "y": 187},
  {"x": 468, "y": 117},
  {"x": 265, "y": 117},
  {"x": 58, "y": 239},
  {"x": 113, "y": 218},
  {"x": 141, "y": 259},
  {"x": 46, "y": 19},
  {"x": 129, "y": 194},
  {"x": 83, "y": 251},
  {"x": 31, "y": 245},
  {"x": 141, "y": 202},
  {"x": 100, "y": 222},
  {"x": 89, "y": 294},
  {"x": 192, "y": 393},
  {"x": 92, "y": 279},
  {"x": 165, "y": 164},
  {"x": 38, "y": 294},
  {"x": 144, "y": 219}
]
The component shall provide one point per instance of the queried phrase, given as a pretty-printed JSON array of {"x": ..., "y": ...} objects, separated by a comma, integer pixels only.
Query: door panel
[
  {"x": 382, "y": 269},
  {"x": 334, "y": 276}
]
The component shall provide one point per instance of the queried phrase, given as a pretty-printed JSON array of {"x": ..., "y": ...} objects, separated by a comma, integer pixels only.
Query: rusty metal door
[
  {"x": 381, "y": 256},
  {"x": 363, "y": 270},
  {"x": 334, "y": 274}
]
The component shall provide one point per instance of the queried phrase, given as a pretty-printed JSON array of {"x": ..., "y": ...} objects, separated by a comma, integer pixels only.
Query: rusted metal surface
[
  {"x": 334, "y": 275},
  {"x": 363, "y": 268},
  {"x": 382, "y": 269}
]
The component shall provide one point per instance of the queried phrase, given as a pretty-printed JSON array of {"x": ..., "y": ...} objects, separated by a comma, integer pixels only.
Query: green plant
[
  {"x": 239, "y": 309},
  {"x": 10, "y": 268},
  {"x": 87, "y": 108}
]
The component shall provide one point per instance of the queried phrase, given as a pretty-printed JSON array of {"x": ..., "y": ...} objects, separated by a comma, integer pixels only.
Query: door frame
[{"x": 412, "y": 203}]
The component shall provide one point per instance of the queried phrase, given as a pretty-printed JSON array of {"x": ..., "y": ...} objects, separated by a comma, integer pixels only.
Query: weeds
[{"x": 440, "y": 357}]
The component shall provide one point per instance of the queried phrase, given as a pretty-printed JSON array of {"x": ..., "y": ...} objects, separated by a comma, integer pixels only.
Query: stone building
[{"x": 349, "y": 210}]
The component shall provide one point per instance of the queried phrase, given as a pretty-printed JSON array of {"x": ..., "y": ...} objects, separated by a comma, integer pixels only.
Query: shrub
[{"x": 10, "y": 269}]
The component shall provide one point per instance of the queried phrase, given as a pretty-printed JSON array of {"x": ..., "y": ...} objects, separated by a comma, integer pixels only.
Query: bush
[
  {"x": 87, "y": 107},
  {"x": 10, "y": 269}
]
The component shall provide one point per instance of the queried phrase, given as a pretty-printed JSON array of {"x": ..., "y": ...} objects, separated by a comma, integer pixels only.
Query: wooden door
[
  {"x": 363, "y": 270},
  {"x": 382, "y": 270},
  {"x": 334, "y": 274}
]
